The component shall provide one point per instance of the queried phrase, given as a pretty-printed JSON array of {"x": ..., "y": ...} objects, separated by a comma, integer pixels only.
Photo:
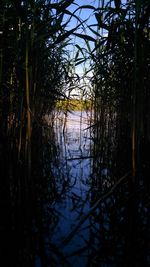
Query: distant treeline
[{"x": 74, "y": 104}]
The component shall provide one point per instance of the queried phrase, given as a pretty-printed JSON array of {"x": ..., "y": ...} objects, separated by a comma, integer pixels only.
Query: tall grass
[
  {"x": 122, "y": 132},
  {"x": 33, "y": 70},
  {"x": 34, "y": 67},
  {"x": 121, "y": 76}
]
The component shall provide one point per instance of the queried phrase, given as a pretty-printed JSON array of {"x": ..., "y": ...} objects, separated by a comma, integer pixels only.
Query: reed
[
  {"x": 33, "y": 72},
  {"x": 36, "y": 72},
  {"x": 119, "y": 78}
]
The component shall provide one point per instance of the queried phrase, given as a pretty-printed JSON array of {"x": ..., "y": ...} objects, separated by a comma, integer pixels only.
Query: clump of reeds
[{"x": 121, "y": 81}]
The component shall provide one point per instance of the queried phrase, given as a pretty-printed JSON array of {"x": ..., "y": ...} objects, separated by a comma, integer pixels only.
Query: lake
[
  {"x": 86, "y": 218},
  {"x": 74, "y": 141}
]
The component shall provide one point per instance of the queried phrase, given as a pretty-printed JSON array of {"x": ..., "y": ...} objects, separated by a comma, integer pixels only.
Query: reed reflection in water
[
  {"x": 75, "y": 164},
  {"x": 94, "y": 217}
]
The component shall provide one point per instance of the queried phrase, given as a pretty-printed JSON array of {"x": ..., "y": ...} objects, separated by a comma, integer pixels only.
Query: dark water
[
  {"x": 73, "y": 177},
  {"x": 80, "y": 210},
  {"x": 114, "y": 233}
]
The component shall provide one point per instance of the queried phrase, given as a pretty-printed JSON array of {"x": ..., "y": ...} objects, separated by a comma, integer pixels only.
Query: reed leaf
[{"x": 84, "y": 37}]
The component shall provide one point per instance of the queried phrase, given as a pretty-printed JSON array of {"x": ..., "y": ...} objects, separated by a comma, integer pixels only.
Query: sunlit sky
[
  {"x": 87, "y": 15},
  {"x": 83, "y": 14}
]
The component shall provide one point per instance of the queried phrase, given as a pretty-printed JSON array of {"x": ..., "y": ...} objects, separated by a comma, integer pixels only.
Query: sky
[{"x": 83, "y": 14}]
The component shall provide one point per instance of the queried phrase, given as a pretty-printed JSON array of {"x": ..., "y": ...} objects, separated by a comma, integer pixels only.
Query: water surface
[
  {"x": 112, "y": 234},
  {"x": 75, "y": 165}
]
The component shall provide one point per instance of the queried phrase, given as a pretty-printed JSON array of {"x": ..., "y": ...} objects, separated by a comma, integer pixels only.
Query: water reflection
[
  {"x": 76, "y": 210},
  {"x": 74, "y": 161},
  {"x": 90, "y": 217}
]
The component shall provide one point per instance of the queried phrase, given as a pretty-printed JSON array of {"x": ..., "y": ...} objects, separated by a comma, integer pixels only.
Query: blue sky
[{"x": 83, "y": 14}]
